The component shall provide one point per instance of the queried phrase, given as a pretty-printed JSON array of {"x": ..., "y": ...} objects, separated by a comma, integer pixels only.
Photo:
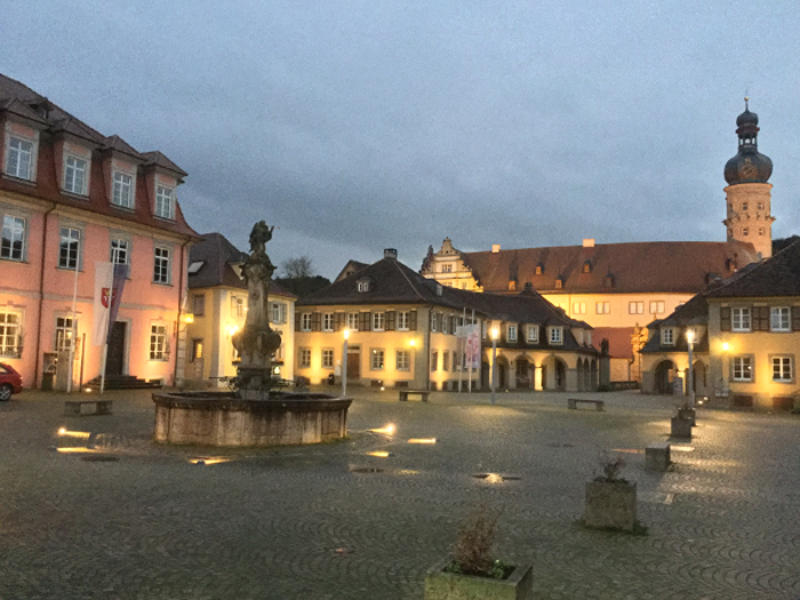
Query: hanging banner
[
  {"x": 109, "y": 281},
  {"x": 473, "y": 346}
]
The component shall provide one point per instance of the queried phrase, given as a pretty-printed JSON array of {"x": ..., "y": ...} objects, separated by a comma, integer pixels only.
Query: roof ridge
[{"x": 413, "y": 287}]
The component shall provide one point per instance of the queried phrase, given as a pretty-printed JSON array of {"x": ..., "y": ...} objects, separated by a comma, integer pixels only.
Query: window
[
  {"x": 533, "y": 334},
  {"x": 434, "y": 361},
  {"x": 305, "y": 322},
  {"x": 579, "y": 308},
  {"x": 782, "y": 368},
  {"x": 761, "y": 231},
  {"x": 745, "y": 231},
  {"x": 602, "y": 308},
  {"x": 587, "y": 267},
  {"x": 164, "y": 202},
  {"x": 327, "y": 358},
  {"x": 378, "y": 320},
  {"x": 197, "y": 349},
  {"x": 434, "y": 322},
  {"x": 539, "y": 269},
  {"x": 376, "y": 359},
  {"x": 327, "y": 322},
  {"x": 278, "y": 312},
  {"x": 656, "y": 307},
  {"x": 744, "y": 206},
  {"x": 161, "y": 265},
  {"x": 556, "y": 335},
  {"x": 636, "y": 308},
  {"x": 75, "y": 175},
  {"x": 305, "y": 358},
  {"x": 511, "y": 333},
  {"x": 760, "y": 206},
  {"x": 19, "y": 158},
  {"x": 362, "y": 285},
  {"x": 122, "y": 194},
  {"x": 668, "y": 336},
  {"x": 445, "y": 361},
  {"x": 119, "y": 251},
  {"x": 779, "y": 318},
  {"x": 158, "y": 342},
  {"x": 402, "y": 320},
  {"x": 10, "y": 334},
  {"x": 402, "y": 360},
  {"x": 198, "y": 304},
  {"x": 447, "y": 268},
  {"x": 12, "y": 246},
  {"x": 70, "y": 247},
  {"x": 65, "y": 334},
  {"x": 352, "y": 321},
  {"x": 742, "y": 368},
  {"x": 740, "y": 318},
  {"x": 559, "y": 283}
]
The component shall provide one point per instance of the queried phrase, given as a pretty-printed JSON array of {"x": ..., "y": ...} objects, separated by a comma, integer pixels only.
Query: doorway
[
  {"x": 353, "y": 363},
  {"x": 115, "y": 357}
]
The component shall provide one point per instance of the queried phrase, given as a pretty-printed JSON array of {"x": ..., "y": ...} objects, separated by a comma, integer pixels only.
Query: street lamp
[
  {"x": 690, "y": 343},
  {"x": 345, "y": 335},
  {"x": 494, "y": 332}
]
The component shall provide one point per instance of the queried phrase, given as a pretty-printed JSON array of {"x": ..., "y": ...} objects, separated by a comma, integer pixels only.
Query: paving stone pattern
[{"x": 332, "y": 522}]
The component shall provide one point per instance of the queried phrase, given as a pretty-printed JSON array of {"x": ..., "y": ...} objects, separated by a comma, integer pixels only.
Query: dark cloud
[{"x": 356, "y": 126}]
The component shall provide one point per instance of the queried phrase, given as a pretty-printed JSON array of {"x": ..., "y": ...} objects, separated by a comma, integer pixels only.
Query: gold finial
[{"x": 746, "y": 100}]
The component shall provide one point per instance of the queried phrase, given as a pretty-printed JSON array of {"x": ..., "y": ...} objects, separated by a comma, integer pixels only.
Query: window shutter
[
  {"x": 365, "y": 323},
  {"x": 390, "y": 320},
  {"x": 761, "y": 318},
  {"x": 297, "y": 321},
  {"x": 412, "y": 320},
  {"x": 795, "y": 312},
  {"x": 338, "y": 321},
  {"x": 725, "y": 318},
  {"x": 316, "y": 321}
]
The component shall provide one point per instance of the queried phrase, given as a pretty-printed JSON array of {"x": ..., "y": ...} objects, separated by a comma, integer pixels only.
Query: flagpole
[
  {"x": 460, "y": 347},
  {"x": 469, "y": 360},
  {"x": 74, "y": 330},
  {"x": 108, "y": 328}
]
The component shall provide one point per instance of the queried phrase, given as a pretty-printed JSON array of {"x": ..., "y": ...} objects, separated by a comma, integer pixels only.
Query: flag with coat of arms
[{"x": 109, "y": 281}]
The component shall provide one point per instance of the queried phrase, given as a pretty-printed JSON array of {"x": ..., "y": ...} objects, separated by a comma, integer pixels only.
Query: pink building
[{"x": 71, "y": 197}]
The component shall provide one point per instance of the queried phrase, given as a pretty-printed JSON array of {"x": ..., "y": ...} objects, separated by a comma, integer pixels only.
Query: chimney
[
  {"x": 588, "y": 242},
  {"x": 495, "y": 248},
  {"x": 390, "y": 253}
]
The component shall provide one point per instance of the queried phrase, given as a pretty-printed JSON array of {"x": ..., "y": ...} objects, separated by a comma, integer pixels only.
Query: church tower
[{"x": 748, "y": 193}]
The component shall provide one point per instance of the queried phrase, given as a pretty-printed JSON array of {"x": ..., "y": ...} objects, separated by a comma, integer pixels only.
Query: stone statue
[{"x": 256, "y": 342}]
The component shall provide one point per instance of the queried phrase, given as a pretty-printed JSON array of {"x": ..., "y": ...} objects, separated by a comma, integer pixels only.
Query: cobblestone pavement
[{"x": 135, "y": 520}]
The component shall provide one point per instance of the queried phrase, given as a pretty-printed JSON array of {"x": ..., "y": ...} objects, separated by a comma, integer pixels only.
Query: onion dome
[{"x": 749, "y": 165}]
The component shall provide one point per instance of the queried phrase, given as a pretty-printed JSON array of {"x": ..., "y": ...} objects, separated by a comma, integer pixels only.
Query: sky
[{"x": 358, "y": 126}]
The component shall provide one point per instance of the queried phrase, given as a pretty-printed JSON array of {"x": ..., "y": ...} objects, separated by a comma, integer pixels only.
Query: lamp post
[
  {"x": 690, "y": 378},
  {"x": 345, "y": 335},
  {"x": 494, "y": 332}
]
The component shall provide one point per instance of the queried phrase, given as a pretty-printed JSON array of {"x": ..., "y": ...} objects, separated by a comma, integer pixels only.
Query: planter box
[
  {"x": 440, "y": 585},
  {"x": 681, "y": 428},
  {"x": 610, "y": 505}
]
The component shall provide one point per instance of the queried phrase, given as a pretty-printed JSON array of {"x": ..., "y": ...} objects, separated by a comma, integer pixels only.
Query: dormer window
[
  {"x": 533, "y": 334},
  {"x": 76, "y": 178},
  {"x": 362, "y": 285},
  {"x": 608, "y": 281},
  {"x": 587, "y": 267},
  {"x": 555, "y": 335},
  {"x": 667, "y": 336},
  {"x": 559, "y": 283},
  {"x": 122, "y": 194},
  {"x": 165, "y": 202},
  {"x": 539, "y": 269},
  {"x": 19, "y": 158},
  {"x": 512, "y": 285}
]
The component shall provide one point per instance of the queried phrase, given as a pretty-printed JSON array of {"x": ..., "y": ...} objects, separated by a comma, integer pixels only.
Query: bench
[
  {"x": 419, "y": 394},
  {"x": 97, "y": 407},
  {"x": 573, "y": 403},
  {"x": 656, "y": 456}
]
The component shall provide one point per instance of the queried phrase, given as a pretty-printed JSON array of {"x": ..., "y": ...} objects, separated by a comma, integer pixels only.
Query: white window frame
[
  {"x": 238, "y": 309},
  {"x": 742, "y": 368},
  {"x": 65, "y": 333},
  {"x": 162, "y": 264},
  {"x": 76, "y": 175},
  {"x": 780, "y": 318},
  {"x": 362, "y": 285},
  {"x": 602, "y": 308},
  {"x": 511, "y": 333},
  {"x": 555, "y": 335},
  {"x": 165, "y": 202},
  {"x": 741, "y": 318},
  {"x": 120, "y": 249},
  {"x": 402, "y": 360},
  {"x": 378, "y": 321},
  {"x": 304, "y": 358},
  {"x": 532, "y": 334},
  {"x": 402, "y": 320},
  {"x": 376, "y": 359},
  {"x": 70, "y": 237},
  {"x": 10, "y": 333},
  {"x": 579, "y": 308},
  {"x": 782, "y": 368},
  {"x": 352, "y": 321},
  {"x": 636, "y": 307},
  {"x": 122, "y": 186},
  {"x": 667, "y": 336},
  {"x": 198, "y": 304},
  {"x": 277, "y": 312},
  {"x": 159, "y": 342},
  {"x": 327, "y": 358},
  {"x": 14, "y": 230},
  {"x": 305, "y": 321},
  {"x": 656, "y": 307},
  {"x": 28, "y": 173},
  {"x": 327, "y": 321}
]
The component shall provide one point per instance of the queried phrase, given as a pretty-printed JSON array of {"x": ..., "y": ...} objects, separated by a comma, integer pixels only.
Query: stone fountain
[{"x": 255, "y": 414}]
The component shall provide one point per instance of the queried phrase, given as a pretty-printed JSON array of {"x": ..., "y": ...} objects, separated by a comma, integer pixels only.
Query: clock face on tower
[{"x": 747, "y": 170}]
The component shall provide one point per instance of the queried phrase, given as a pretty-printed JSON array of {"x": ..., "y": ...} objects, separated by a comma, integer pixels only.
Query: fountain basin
[{"x": 224, "y": 419}]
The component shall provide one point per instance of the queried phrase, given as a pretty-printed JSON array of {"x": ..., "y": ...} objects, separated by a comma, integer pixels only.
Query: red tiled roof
[{"x": 614, "y": 268}]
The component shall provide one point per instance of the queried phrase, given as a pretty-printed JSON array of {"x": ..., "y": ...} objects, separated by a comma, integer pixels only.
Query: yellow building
[
  {"x": 218, "y": 304},
  {"x": 403, "y": 331}
]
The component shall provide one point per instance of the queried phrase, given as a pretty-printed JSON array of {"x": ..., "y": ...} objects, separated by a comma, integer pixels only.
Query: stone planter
[
  {"x": 688, "y": 414},
  {"x": 610, "y": 505},
  {"x": 440, "y": 585},
  {"x": 681, "y": 428}
]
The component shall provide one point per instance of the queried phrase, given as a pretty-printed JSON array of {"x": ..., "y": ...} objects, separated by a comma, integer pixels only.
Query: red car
[{"x": 10, "y": 382}]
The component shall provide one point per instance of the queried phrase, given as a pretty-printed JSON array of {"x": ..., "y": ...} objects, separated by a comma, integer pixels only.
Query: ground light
[
  {"x": 379, "y": 453},
  {"x": 388, "y": 429},
  {"x": 209, "y": 460},
  {"x": 64, "y": 432},
  {"x": 422, "y": 441}
]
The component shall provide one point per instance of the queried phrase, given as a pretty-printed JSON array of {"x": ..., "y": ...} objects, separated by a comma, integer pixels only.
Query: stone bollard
[
  {"x": 681, "y": 428},
  {"x": 657, "y": 457}
]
